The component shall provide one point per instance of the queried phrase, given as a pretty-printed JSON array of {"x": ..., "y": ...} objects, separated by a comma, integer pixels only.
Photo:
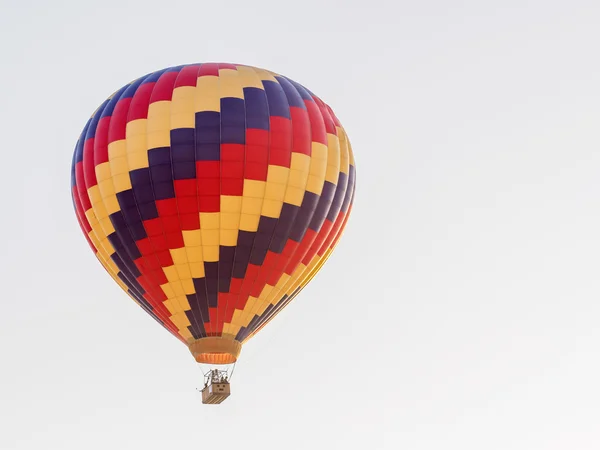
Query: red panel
[
  {"x": 280, "y": 153},
  {"x": 227, "y": 66},
  {"x": 190, "y": 221},
  {"x": 153, "y": 227},
  {"x": 101, "y": 141},
  {"x": 164, "y": 257},
  {"x": 257, "y": 137},
  {"x": 187, "y": 205},
  {"x": 145, "y": 247},
  {"x": 159, "y": 243},
  {"x": 232, "y": 169},
  {"x": 208, "y": 186},
  {"x": 300, "y": 131},
  {"x": 208, "y": 169},
  {"x": 89, "y": 168},
  {"x": 231, "y": 186},
  {"x": 232, "y": 152},
  {"x": 209, "y": 203},
  {"x": 80, "y": 182},
  {"x": 118, "y": 123},
  {"x": 167, "y": 207},
  {"x": 256, "y": 171},
  {"x": 317, "y": 127},
  {"x": 175, "y": 239},
  {"x": 187, "y": 76},
  {"x": 170, "y": 224},
  {"x": 138, "y": 109},
  {"x": 185, "y": 188},
  {"x": 327, "y": 119},
  {"x": 208, "y": 69},
  {"x": 163, "y": 89}
]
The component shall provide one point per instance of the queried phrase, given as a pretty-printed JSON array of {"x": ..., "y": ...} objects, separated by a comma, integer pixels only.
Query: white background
[{"x": 460, "y": 309}]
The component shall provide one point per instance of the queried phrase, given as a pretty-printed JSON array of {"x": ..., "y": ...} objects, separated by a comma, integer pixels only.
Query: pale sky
[{"x": 460, "y": 309}]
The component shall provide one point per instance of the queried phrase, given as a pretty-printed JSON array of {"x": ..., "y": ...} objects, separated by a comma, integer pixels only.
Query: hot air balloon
[{"x": 212, "y": 194}]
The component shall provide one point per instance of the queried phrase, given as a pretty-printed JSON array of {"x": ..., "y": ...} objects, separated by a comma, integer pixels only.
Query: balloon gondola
[{"x": 212, "y": 194}]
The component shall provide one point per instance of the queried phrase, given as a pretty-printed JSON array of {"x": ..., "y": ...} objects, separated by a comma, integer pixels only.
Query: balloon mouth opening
[{"x": 215, "y": 350}]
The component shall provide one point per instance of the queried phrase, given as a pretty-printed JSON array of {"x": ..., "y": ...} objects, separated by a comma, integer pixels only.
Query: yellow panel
[
  {"x": 187, "y": 335},
  {"x": 94, "y": 194},
  {"x": 100, "y": 211},
  {"x": 182, "y": 107},
  {"x": 211, "y": 253},
  {"x": 180, "y": 320},
  {"x": 208, "y": 97},
  {"x": 210, "y": 237},
  {"x": 194, "y": 254},
  {"x": 249, "y": 222},
  {"x": 350, "y": 152},
  {"x": 172, "y": 306},
  {"x": 197, "y": 270},
  {"x": 136, "y": 136},
  {"x": 277, "y": 174},
  {"x": 344, "y": 157},
  {"x": 231, "y": 329},
  {"x": 122, "y": 182},
  {"x": 254, "y": 188},
  {"x": 91, "y": 217},
  {"x": 159, "y": 124},
  {"x": 138, "y": 160},
  {"x": 318, "y": 151},
  {"x": 300, "y": 161},
  {"x": 118, "y": 165},
  {"x": 183, "y": 302},
  {"x": 107, "y": 225},
  {"x": 229, "y": 237},
  {"x": 107, "y": 188},
  {"x": 168, "y": 290},
  {"x": 177, "y": 286},
  {"x": 298, "y": 178},
  {"x": 192, "y": 238},
  {"x": 333, "y": 159},
  {"x": 248, "y": 77},
  {"x": 171, "y": 273},
  {"x": 209, "y": 221},
  {"x": 103, "y": 172},
  {"x": 237, "y": 317},
  {"x": 117, "y": 149},
  {"x": 229, "y": 84},
  {"x": 251, "y": 205},
  {"x": 272, "y": 208},
  {"x": 183, "y": 270},
  {"x": 188, "y": 286},
  {"x": 275, "y": 191},
  {"x": 294, "y": 195},
  {"x": 315, "y": 184},
  {"x": 230, "y": 204},
  {"x": 112, "y": 204},
  {"x": 179, "y": 255},
  {"x": 230, "y": 221}
]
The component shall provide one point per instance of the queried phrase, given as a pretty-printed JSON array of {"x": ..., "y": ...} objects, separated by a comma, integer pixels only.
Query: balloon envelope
[{"x": 212, "y": 194}]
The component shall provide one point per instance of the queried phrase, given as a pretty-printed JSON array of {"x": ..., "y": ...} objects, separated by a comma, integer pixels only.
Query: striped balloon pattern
[{"x": 212, "y": 194}]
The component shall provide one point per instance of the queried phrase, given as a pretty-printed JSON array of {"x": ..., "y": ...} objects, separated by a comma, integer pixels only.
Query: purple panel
[
  {"x": 327, "y": 195},
  {"x": 278, "y": 104},
  {"x": 233, "y": 121},
  {"x": 293, "y": 96},
  {"x": 304, "y": 93},
  {"x": 257, "y": 109},
  {"x": 304, "y": 216},
  {"x": 283, "y": 228},
  {"x": 208, "y": 136},
  {"x": 338, "y": 199},
  {"x": 211, "y": 275}
]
